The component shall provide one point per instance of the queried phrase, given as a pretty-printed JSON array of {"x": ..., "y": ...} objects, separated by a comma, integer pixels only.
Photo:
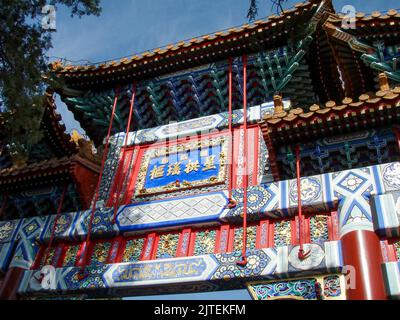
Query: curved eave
[
  {"x": 350, "y": 44},
  {"x": 55, "y": 130},
  {"x": 40, "y": 173},
  {"x": 380, "y": 109},
  {"x": 375, "y": 24},
  {"x": 265, "y": 34},
  {"x": 35, "y": 174}
]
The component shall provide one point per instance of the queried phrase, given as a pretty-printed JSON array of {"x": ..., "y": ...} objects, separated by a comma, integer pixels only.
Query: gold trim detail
[{"x": 180, "y": 148}]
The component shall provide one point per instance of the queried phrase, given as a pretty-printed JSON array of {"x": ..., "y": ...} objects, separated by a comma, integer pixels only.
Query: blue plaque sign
[{"x": 192, "y": 164}]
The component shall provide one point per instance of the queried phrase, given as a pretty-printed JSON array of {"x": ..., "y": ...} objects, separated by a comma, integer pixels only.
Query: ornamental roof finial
[
  {"x": 383, "y": 82},
  {"x": 278, "y": 104}
]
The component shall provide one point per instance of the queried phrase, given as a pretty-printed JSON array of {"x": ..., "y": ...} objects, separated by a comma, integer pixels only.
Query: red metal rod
[
  {"x": 127, "y": 182},
  {"x": 118, "y": 181},
  {"x": 53, "y": 231},
  {"x": 128, "y": 129},
  {"x": 231, "y": 202},
  {"x": 118, "y": 177},
  {"x": 230, "y": 131},
  {"x": 245, "y": 176},
  {"x": 127, "y": 178},
  {"x": 301, "y": 254},
  {"x": 96, "y": 196}
]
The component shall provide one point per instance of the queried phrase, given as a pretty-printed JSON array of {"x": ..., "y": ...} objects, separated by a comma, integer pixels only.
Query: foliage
[
  {"x": 23, "y": 47},
  {"x": 277, "y": 6}
]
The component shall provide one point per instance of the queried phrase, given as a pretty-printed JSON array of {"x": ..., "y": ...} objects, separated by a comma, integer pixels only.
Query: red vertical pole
[
  {"x": 230, "y": 133},
  {"x": 302, "y": 255},
  {"x": 128, "y": 129},
  {"x": 96, "y": 196},
  {"x": 299, "y": 203},
  {"x": 245, "y": 180}
]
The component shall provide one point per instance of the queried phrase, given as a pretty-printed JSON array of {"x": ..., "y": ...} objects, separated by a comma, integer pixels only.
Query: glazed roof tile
[
  {"x": 46, "y": 168},
  {"x": 68, "y": 150},
  {"x": 362, "y": 17},
  {"x": 369, "y": 22},
  {"x": 381, "y": 100},
  {"x": 215, "y": 39},
  {"x": 53, "y": 119},
  {"x": 46, "y": 165}
]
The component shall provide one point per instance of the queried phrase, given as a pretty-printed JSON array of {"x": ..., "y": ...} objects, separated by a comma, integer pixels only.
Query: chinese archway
[{"x": 263, "y": 157}]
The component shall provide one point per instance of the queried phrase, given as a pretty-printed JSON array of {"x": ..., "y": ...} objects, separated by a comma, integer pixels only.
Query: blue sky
[{"x": 126, "y": 27}]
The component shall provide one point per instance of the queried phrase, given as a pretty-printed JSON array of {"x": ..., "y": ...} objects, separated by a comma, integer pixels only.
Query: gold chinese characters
[{"x": 175, "y": 169}]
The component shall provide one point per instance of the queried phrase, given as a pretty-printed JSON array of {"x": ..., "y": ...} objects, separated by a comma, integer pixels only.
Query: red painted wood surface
[
  {"x": 253, "y": 149},
  {"x": 390, "y": 248},
  {"x": 362, "y": 250},
  {"x": 85, "y": 180},
  {"x": 9, "y": 288},
  {"x": 221, "y": 246},
  {"x": 184, "y": 246}
]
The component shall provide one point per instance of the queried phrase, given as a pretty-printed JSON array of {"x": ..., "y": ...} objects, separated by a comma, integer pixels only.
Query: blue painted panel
[{"x": 206, "y": 164}]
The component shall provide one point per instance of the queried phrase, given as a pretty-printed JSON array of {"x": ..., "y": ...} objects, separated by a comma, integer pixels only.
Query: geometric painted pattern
[
  {"x": 354, "y": 188},
  {"x": 349, "y": 191},
  {"x": 352, "y": 182},
  {"x": 111, "y": 164},
  {"x": 163, "y": 211},
  {"x": 260, "y": 199},
  {"x": 145, "y": 275},
  {"x": 101, "y": 223},
  {"x": 63, "y": 230},
  {"x": 213, "y": 122},
  {"x": 6, "y": 250},
  {"x": 30, "y": 228},
  {"x": 27, "y": 247},
  {"x": 184, "y": 128}
]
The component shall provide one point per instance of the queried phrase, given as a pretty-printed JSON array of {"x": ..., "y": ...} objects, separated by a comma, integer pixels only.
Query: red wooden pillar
[
  {"x": 363, "y": 258},
  {"x": 10, "y": 285}
]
